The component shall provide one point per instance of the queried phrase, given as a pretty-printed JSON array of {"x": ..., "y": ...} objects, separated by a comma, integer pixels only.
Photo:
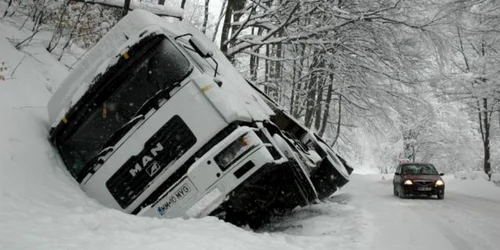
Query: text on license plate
[
  {"x": 173, "y": 198},
  {"x": 424, "y": 189}
]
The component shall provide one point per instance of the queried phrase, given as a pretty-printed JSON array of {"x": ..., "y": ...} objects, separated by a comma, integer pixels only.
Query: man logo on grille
[
  {"x": 153, "y": 168},
  {"x": 145, "y": 160}
]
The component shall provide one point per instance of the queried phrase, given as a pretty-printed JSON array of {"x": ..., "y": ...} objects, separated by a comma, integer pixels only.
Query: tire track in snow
[{"x": 459, "y": 222}]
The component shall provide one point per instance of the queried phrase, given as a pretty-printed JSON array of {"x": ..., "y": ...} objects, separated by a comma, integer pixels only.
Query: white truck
[{"x": 155, "y": 121}]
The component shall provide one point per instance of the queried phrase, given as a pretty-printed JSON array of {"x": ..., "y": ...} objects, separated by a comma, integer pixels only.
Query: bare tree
[{"x": 475, "y": 59}]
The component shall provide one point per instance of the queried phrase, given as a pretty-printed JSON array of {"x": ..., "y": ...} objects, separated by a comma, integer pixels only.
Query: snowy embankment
[
  {"x": 475, "y": 184},
  {"x": 477, "y": 175},
  {"x": 42, "y": 207}
]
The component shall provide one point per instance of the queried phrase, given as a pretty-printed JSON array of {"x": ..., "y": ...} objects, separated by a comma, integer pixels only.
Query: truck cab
[{"x": 155, "y": 121}]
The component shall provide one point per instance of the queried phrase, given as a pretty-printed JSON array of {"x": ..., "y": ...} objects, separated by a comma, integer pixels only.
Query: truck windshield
[{"x": 161, "y": 67}]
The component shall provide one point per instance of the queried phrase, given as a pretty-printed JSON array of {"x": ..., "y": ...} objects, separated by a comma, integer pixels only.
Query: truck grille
[
  {"x": 160, "y": 151},
  {"x": 181, "y": 171}
]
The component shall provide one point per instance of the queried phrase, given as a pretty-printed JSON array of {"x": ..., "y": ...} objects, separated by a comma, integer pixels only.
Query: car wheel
[
  {"x": 441, "y": 196},
  {"x": 402, "y": 194},
  {"x": 395, "y": 191}
]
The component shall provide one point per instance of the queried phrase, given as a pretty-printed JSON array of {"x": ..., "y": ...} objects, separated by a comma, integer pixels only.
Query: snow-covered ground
[{"x": 42, "y": 207}]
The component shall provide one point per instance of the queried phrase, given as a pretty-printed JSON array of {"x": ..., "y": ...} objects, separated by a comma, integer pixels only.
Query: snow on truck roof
[{"x": 127, "y": 32}]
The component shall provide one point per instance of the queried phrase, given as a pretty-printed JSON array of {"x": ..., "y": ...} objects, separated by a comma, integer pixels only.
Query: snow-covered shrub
[
  {"x": 84, "y": 24},
  {"x": 69, "y": 21}
]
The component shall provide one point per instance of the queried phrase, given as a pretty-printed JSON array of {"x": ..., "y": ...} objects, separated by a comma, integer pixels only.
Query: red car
[{"x": 418, "y": 179}]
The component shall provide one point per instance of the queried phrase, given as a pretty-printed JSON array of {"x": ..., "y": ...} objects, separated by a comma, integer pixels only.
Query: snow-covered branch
[{"x": 159, "y": 10}]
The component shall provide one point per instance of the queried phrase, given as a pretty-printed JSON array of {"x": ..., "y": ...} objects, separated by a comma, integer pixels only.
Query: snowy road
[{"x": 460, "y": 221}]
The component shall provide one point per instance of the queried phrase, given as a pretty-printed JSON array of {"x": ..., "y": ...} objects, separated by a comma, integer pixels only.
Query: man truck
[{"x": 155, "y": 121}]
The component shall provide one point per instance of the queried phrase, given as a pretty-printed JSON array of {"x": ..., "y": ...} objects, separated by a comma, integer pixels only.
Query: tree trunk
[
  {"x": 183, "y": 4},
  {"x": 277, "y": 68},
  {"x": 233, "y": 8},
  {"x": 205, "y": 18},
  {"x": 327, "y": 107},
  {"x": 271, "y": 91},
  {"x": 485, "y": 131},
  {"x": 266, "y": 71},
  {"x": 292, "y": 95},
  {"x": 224, "y": 6},
  {"x": 311, "y": 92},
  {"x": 126, "y": 7},
  {"x": 226, "y": 26},
  {"x": 319, "y": 101},
  {"x": 338, "y": 121},
  {"x": 311, "y": 89},
  {"x": 254, "y": 60},
  {"x": 297, "y": 109},
  {"x": 161, "y": 2},
  {"x": 412, "y": 153},
  {"x": 319, "y": 96}
]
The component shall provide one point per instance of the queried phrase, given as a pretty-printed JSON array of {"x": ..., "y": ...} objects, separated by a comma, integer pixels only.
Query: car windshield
[
  {"x": 419, "y": 169},
  {"x": 157, "y": 69}
]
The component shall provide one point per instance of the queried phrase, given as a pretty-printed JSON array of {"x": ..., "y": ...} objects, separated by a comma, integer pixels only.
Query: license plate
[
  {"x": 173, "y": 198},
  {"x": 424, "y": 189}
]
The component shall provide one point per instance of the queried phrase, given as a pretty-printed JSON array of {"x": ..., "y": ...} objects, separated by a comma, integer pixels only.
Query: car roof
[{"x": 416, "y": 163}]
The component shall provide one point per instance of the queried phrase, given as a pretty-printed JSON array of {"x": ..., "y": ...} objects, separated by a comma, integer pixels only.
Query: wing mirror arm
[{"x": 203, "y": 50}]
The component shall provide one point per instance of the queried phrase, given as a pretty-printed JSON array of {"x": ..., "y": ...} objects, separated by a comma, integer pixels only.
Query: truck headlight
[
  {"x": 408, "y": 182},
  {"x": 209, "y": 202},
  {"x": 439, "y": 183},
  {"x": 235, "y": 150}
]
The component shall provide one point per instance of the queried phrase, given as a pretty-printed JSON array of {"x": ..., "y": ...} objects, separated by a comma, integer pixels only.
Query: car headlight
[
  {"x": 236, "y": 149},
  {"x": 408, "y": 182},
  {"x": 439, "y": 183}
]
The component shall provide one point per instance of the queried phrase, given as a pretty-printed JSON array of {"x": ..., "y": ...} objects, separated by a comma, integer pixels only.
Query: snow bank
[
  {"x": 474, "y": 175},
  {"x": 475, "y": 184},
  {"x": 476, "y": 188},
  {"x": 366, "y": 170},
  {"x": 495, "y": 178}
]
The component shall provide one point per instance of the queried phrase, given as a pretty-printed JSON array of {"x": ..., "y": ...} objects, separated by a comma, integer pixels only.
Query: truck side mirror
[
  {"x": 204, "y": 51},
  {"x": 200, "y": 47}
]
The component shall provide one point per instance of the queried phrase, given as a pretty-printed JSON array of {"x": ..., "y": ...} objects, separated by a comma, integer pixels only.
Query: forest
[{"x": 379, "y": 80}]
